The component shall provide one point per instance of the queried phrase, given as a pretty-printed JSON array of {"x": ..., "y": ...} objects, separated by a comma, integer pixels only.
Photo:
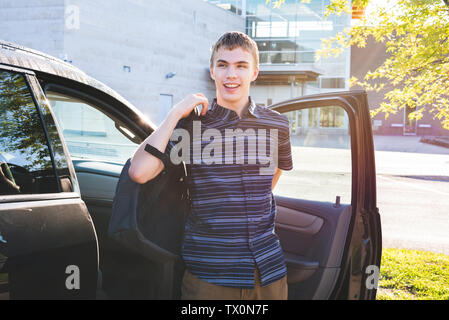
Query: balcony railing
[{"x": 284, "y": 56}]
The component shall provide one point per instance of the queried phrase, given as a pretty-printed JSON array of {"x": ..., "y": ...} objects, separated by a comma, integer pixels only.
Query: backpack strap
[
  {"x": 194, "y": 115},
  {"x": 161, "y": 156}
]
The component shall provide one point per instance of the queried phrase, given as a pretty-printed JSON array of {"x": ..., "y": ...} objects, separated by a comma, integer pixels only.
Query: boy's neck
[{"x": 238, "y": 106}]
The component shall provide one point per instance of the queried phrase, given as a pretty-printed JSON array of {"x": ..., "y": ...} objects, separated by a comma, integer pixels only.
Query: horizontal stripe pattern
[{"x": 230, "y": 228}]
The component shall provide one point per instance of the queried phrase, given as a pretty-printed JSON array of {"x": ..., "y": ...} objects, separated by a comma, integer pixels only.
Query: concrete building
[
  {"x": 156, "y": 52},
  {"x": 152, "y": 52}
]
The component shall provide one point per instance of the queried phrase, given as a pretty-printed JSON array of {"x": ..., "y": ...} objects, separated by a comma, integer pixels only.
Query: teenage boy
[{"x": 230, "y": 248}]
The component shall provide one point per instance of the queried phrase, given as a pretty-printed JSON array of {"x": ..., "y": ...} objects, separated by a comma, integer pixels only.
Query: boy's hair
[{"x": 236, "y": 39}]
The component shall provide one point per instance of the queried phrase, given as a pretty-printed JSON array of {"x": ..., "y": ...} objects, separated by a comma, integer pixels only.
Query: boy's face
[{"x": 233, "y": 71}]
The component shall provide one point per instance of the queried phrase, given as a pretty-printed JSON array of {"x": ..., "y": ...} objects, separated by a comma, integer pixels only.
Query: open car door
[
  {"x": 327, "y": 219},
  {"x": 48, "y": 244}
]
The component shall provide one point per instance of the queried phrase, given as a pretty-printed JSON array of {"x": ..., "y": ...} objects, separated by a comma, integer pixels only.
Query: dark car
[{"x": 64, "y": 138}]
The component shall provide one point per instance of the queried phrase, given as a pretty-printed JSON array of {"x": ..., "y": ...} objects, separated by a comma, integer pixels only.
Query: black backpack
[{"x": 149, "y": 219}]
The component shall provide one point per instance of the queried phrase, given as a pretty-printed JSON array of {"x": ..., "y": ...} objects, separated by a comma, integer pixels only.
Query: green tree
[{"x": 415, "y": 33}]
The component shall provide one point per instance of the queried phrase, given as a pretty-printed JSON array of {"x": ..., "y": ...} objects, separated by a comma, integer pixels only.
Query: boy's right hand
[{"x": 183, "y": 108}]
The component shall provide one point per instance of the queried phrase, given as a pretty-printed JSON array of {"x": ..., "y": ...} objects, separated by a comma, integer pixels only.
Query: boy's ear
[
  {"x": 255, "y": 74},
  {"x": 211, "y": 70}
]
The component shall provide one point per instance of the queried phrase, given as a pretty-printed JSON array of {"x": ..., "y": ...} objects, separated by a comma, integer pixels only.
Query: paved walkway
[
  {"x": 406, "y": 144},
  {"x": 381, "y": 143},
  {"x": 412, "y": 185}
]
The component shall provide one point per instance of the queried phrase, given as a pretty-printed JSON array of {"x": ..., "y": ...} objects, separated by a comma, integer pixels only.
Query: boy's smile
[{"x": 233, "y": 72}]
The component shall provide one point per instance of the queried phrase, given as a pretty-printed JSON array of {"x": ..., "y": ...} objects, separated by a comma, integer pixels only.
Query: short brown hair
[{"x": 236, "y": 39}]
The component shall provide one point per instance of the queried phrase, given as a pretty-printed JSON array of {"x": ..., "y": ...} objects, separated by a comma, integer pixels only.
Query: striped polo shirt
[{"x": 230, "y": 229}]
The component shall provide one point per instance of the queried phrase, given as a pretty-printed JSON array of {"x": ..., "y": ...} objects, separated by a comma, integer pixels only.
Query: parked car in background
[{"x": 64, "y": 138}]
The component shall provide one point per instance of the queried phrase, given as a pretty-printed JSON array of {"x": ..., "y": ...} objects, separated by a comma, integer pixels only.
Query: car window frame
[
  {"x": 108, "y": 109},
  {"x": 28, "y": 74},
  {"x": 314, "y": 102},
  {"x": 105, "y": 107},
  {"x": 34, "y": 81}
]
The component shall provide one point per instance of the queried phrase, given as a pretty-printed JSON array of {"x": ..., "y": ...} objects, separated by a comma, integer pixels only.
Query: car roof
[{"x": 15, "y": 55}]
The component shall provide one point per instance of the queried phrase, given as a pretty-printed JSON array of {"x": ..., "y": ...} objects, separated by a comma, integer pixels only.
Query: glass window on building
[
  {"x": 333, "y": 83},
  {"x": 314, "y": 118},
  {"x": 290, "y": 35},
  {"x": 332, "y": 117},
  {"x": 313, "y": 115},
  {"x": 292, "y": 32},
  {"x": 231, "y": 5},
  {"x": 295, "y": 119}
]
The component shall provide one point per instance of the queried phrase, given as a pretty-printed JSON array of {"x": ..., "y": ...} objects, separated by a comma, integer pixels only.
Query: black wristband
[{"x": 161, "y": 156}]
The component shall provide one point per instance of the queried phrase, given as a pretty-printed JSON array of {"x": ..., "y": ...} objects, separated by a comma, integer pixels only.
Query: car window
[
  {"x": 89, "y": 132},
  {"x": 25, "y": 162},
  {"x": 321, "y": 151},
  {"x": 65, "y": 172}
]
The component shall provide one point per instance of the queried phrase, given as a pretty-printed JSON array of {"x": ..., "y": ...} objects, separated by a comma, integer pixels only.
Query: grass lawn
[{"x": 413, "y": 275}]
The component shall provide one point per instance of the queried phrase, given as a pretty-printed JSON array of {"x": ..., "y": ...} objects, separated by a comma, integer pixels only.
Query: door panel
[
  {"x": 97, "y": 180},
  {"x": 324, "y": 247},
  {"x": 311, "y": 256},
  {"x": 297, "y": 221},
  {"x": 43, "y": 238}
]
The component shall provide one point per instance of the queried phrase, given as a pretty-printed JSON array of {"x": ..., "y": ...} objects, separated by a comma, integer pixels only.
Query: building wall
[
  {"x": 368, "y": 59},
  {"x": 35, "y": 24},
  {"x": 130, "y": 45}
]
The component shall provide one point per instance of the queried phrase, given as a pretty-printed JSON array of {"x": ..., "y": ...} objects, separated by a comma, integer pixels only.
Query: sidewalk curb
[{"x": 435, "y": 141}]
